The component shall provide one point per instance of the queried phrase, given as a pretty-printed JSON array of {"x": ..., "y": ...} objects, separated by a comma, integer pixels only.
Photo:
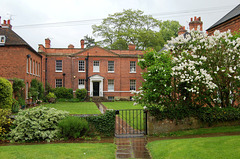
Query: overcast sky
[{"x": 30, "y": 18}]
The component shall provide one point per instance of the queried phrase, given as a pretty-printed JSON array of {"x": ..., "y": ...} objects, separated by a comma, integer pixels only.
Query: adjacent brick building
[
  {"x": 17, "y": 58},
  {"x": 230, "y": 21},
  {"x": 105, "y": 73}
]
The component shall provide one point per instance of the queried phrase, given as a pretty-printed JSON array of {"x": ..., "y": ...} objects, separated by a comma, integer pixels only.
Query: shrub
[
  {"x": 73, "y": 127},
  {"x": 51, "y": 97},
  {"x": 15, "y": 106},
  {"x": 37, "y": 124},
  {"x": 62, "y": 92},
  {"x": 18, "y": 85},
  {"x": 5, "y": 121},
  {"x": 5, "y": 94},
  {"x": 81, "y": 94},
  {"x": 104, "y": 124}
]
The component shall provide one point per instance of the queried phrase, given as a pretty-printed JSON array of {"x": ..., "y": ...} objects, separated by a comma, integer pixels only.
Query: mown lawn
[
  {"x": 201, "y": 131},
  {"x": 133, "y": 118},
  {"x": 196, "y": 148},
  {"x": 75, "y": 107},
  {"x": 60, "y": 151}
]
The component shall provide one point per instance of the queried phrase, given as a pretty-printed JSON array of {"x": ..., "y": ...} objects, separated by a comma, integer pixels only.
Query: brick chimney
[
  {"x": 82, "y": 44},
  {"x": 193, "y": 24},
  {"x": 7, "y": 24},
  {"x": 182, "y": 30},
  {"x": 131, "y": 47},
  {"x": 71, "y": 46},
  {"x": 47, "y": 43}
]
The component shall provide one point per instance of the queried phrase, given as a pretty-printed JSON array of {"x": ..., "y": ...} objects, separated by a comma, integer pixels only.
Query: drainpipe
[
  {"x": 87, "y": 58},
  {"x": 45, "y": 72}
]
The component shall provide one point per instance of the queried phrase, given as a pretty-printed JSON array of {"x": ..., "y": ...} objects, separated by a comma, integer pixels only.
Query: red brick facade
[
  {"x": 233, "y": 25},
  {"x": 120, "y": 76},
  {"x": 18, "y": 59}
]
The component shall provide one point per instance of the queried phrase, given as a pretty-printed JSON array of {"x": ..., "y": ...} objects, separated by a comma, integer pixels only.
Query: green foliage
[
  {"x": 89, "y": 41},
  {"x": 73, "y": 127},
  {"x": 5, "y": 121},
  {"x": 62, "y": 92},
  {"x": 18, "y": 85},
  {"x": 104, "y": 124},
  {"x": 216, "y": 114},
  {"x": 81, "y": 94},
  {"x": 21, "y": 101},
  {"x": 209, "y": 115},
  {"x": 5, "y": 94},
  {"x": 132, "y": 26},
  {"x": 51, "y": 97},
  {"x": 15, "y": 106},
  {"x": 36, "y": 90},
  {"x": 37, "y": 124}
]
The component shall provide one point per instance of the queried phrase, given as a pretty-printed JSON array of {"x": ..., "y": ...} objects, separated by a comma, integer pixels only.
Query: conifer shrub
[
  {"x": 81, "y": 94},
  {"x": 5, "y": 122},
  {"x": 6, "y": 92}
]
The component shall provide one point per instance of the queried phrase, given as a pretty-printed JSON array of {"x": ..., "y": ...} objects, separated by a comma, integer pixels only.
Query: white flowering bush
[
  {"x": 37, "y": 124},
  {"x": 195, "y": 69}
]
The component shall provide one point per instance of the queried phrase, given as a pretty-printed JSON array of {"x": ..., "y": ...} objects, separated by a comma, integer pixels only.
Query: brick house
[
  {"x": 112, "y": 74},
  {"x": 230, "y": 21},
  {"x": 17, "y": 58}
]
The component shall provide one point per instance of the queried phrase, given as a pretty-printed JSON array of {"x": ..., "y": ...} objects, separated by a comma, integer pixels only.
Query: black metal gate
[{"x": 131, "y": 122}]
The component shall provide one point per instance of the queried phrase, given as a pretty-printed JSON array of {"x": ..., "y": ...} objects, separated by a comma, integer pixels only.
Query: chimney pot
[
  {"x": 82, "y": 44},
  {"x": 4, "y": 22},
  {"x": 191, "y": 19},
  {"x": 8, "y": 21},
  {"x": 195, "y": 18}
]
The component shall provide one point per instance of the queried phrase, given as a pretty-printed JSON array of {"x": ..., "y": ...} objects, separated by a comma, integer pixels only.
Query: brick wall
[
  {"x": 13, "y": 63},
  {"x": 233, "y": 25}
]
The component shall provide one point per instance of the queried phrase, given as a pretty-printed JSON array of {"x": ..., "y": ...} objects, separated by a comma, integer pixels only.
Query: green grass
[
  {"x": 126, "y": 115},
  {"x": 122, "y": 105},
  {"x": 197, "y": 148},
  {"x": 202, "y": 131},
  {"x": 75, "y": 108},
  {"x": 60, "y": 151}
]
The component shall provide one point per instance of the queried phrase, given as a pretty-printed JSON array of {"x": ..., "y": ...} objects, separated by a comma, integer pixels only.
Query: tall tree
[
  {"x": 132, "y": 26},
  {"x": 89, "y": 41}
]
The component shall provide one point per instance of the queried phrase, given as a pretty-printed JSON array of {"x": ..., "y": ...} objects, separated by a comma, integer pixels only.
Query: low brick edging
[{"x": 156, "y": 127}]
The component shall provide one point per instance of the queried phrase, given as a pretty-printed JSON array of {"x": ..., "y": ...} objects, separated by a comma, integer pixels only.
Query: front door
[{"x": 95, "y": 88}]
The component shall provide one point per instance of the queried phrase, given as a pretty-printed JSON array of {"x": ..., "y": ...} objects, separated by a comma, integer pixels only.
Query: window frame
[
  {"x": 131, "y": 85},
  {"x": 111, "y": 83},
  {"x": 57, "y": 67},
  {"x": 94, "y": 67},
  {"x": 27, "y": 66},
  {"x": 30, "y": 70},
  {"x": 58, "y": 83},
  {"x": 79, "y": 83},
  {"x": 83, "y": 65},
  {"x": 33, "y": 67},
  {"x": 111, "y": 71},
  {"x": 133, "y": 67}
]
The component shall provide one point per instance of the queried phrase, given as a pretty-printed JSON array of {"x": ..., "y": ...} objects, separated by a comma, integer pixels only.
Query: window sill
[
  {"x": 111, "y": 72},
  {"x": 132, "y": 72},
  {"x": 81, "y": 71},
  {"x": 96, "y": 71},
  {"x": 110, "y": 90},
  {"x": 58, "y": 71}
]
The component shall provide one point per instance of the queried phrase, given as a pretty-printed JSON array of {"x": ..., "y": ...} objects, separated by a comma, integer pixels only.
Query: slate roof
[
  {"x": 232, "y": 14},
  {"x": 13, "y": 39}
]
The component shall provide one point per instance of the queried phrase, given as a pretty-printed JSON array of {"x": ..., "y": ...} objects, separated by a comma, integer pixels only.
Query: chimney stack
[
  {"x": 194, "y": 24},
  {"x": 82, "y": 44},
  {"x": 182, "y": 30},
  {"x": 47, "y": 43},
  {"x": 6, "y": 24},
  {"x": 131, "y": 47}
]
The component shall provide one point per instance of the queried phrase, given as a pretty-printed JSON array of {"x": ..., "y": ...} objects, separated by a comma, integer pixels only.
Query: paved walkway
[{"x": 131, "y": 148}]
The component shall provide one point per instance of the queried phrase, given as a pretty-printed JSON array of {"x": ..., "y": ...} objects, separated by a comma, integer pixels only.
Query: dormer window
[{"x": 2, "y": 39}]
